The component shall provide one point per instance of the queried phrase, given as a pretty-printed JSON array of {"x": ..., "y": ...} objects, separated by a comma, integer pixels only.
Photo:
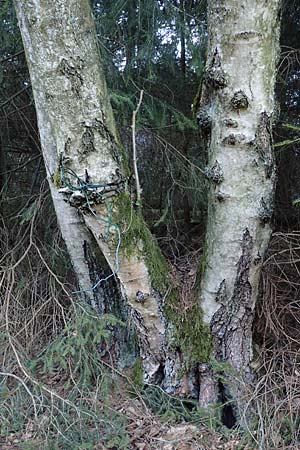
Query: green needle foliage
[
  {"x": 76, "y": 349},
  {"x": 157, "y": 46}
]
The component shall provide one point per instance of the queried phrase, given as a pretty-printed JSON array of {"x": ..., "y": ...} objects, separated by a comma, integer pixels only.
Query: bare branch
[{"x": 136, "y": 173}]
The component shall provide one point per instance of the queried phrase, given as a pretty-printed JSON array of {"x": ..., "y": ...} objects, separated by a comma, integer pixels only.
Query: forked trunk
[{"x": 87, "y": 176}]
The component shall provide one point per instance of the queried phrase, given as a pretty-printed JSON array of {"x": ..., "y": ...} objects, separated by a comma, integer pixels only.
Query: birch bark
[
  {"x": 237, "y": 103},
  {"x": 79, "y": 138},
  {"x": 78, "y": 135}
]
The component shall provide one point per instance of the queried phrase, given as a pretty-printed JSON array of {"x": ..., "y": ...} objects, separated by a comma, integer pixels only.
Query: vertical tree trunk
[
  {"x": 238, "y": 102},
  {"x": 2, "y": 172}
]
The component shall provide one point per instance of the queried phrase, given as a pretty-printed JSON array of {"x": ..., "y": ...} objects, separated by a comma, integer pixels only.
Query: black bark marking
[
  {"x": 215, "y": 76},
  {"x": 265, "y": 211},
  {"x": 107, "y": 299},
  {"x": 77, "y": 199},
  {"x": 87, "y": 176},
  {"x": 221, "y": 196},
  {"x": 257, "y": 259},
  {"x": 243, "y": 267},
  {"x": 239, "y": 100},
  {"x": 230, "y": 123},
  {"x": 68, "y": 146},
  {"x": 49, "y": 97},
  {"x": 145, "y": 346},
  {"x": 107, "y": 294},
  {"x": 100, "y": 126},
  {"x": 221, "y": 296},
  {"x": 215, "y": 173},
  {"x": 247, "y": 35},
  {"x": 96, "y": 272},
  {"x": 72, "y": 72},
  {"x": 87, "y": 141},
  {"x": 141, "y": 297},
  {"x": 231, "y": 327},
  {"x": 102, "y": 129},
  {"x": 218, "y": 12},
  {"x": 231, "y": 324},
  {"x": 263, "y": 141},
  {"x": 233, "y": 139}
]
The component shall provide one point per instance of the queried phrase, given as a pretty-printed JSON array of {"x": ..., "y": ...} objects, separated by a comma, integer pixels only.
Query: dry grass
[
  {"x": 36, "y": 280},
  {"x": 41, "y": 409},
  {"x": 277, "y": 336}
]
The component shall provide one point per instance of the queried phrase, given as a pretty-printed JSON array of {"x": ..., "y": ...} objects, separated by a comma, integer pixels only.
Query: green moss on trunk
[
  {"x": 136, "y": 238},
  {"x": 137, "y": 374},
  {"x": 190, "y": 334}
]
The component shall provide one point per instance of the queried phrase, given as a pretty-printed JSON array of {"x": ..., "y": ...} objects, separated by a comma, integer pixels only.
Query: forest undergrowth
[{"x": 61, "y": 389}]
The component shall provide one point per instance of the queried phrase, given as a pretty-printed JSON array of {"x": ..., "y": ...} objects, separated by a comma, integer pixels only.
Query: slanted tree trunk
[
  {"x": 237, "y": 102},
  {"x": 86, "y": 168}
]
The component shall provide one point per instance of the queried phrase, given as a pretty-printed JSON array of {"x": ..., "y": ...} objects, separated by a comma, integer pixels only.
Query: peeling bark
[{"x": 239, "y": 93}]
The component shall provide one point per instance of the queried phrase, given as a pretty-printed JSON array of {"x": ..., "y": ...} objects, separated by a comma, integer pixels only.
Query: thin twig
[
  {"x": 136, "y": 173},
  {"x": 14, "y": 96},
  {"x": 8, "y": 58},
  {"x": 7, "y": 374}
]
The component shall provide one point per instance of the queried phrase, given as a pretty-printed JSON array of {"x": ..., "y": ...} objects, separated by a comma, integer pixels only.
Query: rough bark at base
[
  {"x": 143, "y": 300},
  {"x": 238, "y": 102}
]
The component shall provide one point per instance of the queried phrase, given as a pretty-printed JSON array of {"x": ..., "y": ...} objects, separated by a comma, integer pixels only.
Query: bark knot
[
  {"x": 215, "y": 173},
  {"x": 230, "y": 123},
  {"x": 233, "y": 139},
  {"x": 141, "y": 297},
  {"x": 246, "y": 35},
  {"x": 215, "y": 76},
  {"x": 204, "y": 121},
  {"x": 221, "y": 196},
  {"x": 239, "y": 100}
]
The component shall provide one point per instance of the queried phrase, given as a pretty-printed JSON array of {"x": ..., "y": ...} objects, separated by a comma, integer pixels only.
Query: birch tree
[
  {"x": 88, "y": 177},
  {"x": 86, "y": 166},
  {"x": 236, "y": 109}
]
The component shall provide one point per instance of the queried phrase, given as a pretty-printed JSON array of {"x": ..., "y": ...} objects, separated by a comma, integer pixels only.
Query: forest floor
[
  {"x": 143, "y": 431},
  {"x": 55, "y": 395}
]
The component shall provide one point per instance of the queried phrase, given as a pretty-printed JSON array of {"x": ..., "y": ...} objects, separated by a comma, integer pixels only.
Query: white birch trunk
[
  {"x": 78, "y": 133},
  {"x": 237, "y": 103}
]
